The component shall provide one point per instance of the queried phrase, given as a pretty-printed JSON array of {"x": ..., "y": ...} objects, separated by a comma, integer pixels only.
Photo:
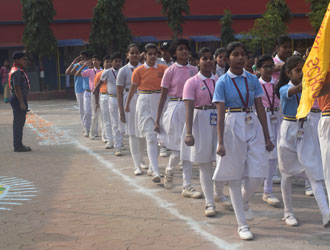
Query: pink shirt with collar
[
  {"x": 269, "y": 87},
  {"x": 91, "y": 73},
  {"x": 175, "y": 77},
  {"x": 276, "y": 75},
  {"x": 195, "y": 89}
]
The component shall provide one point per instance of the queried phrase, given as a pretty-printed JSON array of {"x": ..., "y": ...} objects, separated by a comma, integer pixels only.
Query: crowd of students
[{"x": 223, "y": 110}]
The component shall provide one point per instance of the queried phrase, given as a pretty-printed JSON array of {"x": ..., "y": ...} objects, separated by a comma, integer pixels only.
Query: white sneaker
[
  {"x": 270, "y": 199},
  {"x": 276, "y": 179},
  {"x": 150, "y": 172},
  {"x": 210, "y": 211},
  {"x": 118, "y": 152},
  {"x": 224, "y": 202},
  {"x": 105, "y": 140},
  {"x": 309, "y": 191},
  {"x": 109, "y": 145},
  {"x": 168, "y": 180},
  {"x": 248, "y": 214},
  {"x": 92, "y": 137},
  {"x": 190, "y": 192},
  {"x": 163, "y": 152},
  {"x": 156, "y": 178},
  {"x": 143, "y": 165},
  {"x": 86, "y": 133},
  {"x": 245, "y": 233},
  {"x": 138, "y": 171},
  {"x": 326, "y": 220},
  {"x": 291, "y": 221}
]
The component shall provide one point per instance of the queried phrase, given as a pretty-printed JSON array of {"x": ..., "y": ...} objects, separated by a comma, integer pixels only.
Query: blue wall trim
[{"x": 146, "y": 19}]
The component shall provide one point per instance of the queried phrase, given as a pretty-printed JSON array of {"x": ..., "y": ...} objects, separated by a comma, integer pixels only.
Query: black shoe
[{"x": 22, "y": 149}]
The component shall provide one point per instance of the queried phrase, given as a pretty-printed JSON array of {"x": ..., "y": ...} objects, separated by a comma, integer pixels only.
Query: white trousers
[
  {"x": 95, "y": 117},
  {"x": 268, "y": 184},
  {"x": 137, "y": 146},
  {"x": 324, "y": 137},
  {"x": 152, "y": 149},
  {"x": 173, "y": 161},
  {"x": 80, "y": 102},
  {"x": 87, "y": 119},
  {"x": 318, "y": 190},
  {"x": 205, "y": 175},
  {"x": 104, "y": 106},
  {"x": 115, "y": 126}
]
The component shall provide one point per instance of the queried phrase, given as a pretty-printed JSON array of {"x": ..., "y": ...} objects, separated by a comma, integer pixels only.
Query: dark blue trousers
[{"x": 19, "y": 120}]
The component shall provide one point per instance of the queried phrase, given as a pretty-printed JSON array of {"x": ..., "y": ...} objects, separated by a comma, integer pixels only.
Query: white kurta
[
  {"x": 205, "y": 135},
  {"x": 298, "y": 155},
  {"x": 246, "y": 153}
]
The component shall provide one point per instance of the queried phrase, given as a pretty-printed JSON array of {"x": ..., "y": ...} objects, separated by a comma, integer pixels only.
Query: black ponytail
[{"x": 290, "y": 64}]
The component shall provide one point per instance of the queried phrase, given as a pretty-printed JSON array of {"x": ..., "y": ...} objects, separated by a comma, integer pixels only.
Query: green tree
[
  {"x": 267, "y": 28},
  {"x": 318, "y": 9},
  {"x": 38, "y": 38},
  {"x": 109, "y": 30},
  {"x": 174, "y": 10},
  {"x": 282, "y": 8},
  {"x": 227, "y": 33}
]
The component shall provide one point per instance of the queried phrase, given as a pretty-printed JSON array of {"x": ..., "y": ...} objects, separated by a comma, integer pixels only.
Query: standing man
[{"x": 19, "y": 88}]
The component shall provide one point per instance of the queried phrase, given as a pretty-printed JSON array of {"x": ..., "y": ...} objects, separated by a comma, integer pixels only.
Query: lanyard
[
  {"x": 245, "y": 104},
  {"x": 113, "y": 72},
  {"x": 211, "y": 96},
  {"x": 270, "y": 103}
]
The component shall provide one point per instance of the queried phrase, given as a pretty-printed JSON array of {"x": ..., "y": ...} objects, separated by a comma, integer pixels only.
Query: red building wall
[{"x": 76, "y": 14}]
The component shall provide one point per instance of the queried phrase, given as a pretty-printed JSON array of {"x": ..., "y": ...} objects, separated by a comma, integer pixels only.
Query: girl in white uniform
[
  {"x": 298, "y": 148},
  {"x": 123, "y": 83},
  {"x": 171, "y": 125},
  {"x": 198, "y": 142},
  {"x": 243, "y": 138},
  {"x": 265, "y": 65},
  {"x": 147, "y": 79}
]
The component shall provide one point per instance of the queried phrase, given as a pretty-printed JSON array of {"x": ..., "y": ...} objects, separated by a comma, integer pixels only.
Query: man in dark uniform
[{"x": 19, "y": 89}]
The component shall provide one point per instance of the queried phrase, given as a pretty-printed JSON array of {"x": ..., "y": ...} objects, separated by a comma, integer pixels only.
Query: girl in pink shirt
[
  {"x": 199, "y": 137},
  {"x": 171, "y": 125},
  {"x": 265, "y": 66}
]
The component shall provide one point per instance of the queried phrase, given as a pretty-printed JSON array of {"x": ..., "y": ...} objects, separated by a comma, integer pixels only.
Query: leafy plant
[
  {"x": 318, "y": 9},
  {"x": 227, "y": 32}
]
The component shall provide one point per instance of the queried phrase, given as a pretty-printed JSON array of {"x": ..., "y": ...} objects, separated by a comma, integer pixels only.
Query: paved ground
[{"x": 71, "y": 193}]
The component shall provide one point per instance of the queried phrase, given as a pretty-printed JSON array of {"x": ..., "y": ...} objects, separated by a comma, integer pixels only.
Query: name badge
[
  {"x": 248, "y": 119},
  {"x": 300, "y": 133},
  {"x": 273, "y": 119},
  {"x": 213, "y": 119}
]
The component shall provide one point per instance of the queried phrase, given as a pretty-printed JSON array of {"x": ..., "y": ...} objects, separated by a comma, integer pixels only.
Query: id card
[
  {"x": 213, "y": 119},
  {"x": 273, "y": 119},
  {"x": 248, "y": 119},
  {"x": 300, "y": 133}
]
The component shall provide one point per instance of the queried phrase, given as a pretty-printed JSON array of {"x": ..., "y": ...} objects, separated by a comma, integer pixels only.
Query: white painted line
[
  {"x": 20, "y": 195},
  {"x": 194, "y": 225},
  {"x": 4, "y": 208},
  {"x": 22, "y": 192},
  {"x": 15, "y": 199},
  {"x": 10, "y": 203},
  {"x": 22, "y": 188}
]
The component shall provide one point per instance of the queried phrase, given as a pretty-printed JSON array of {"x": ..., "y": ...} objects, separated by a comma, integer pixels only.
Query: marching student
[
  {"x": 110, "y": 75},
  {"x": 171, "y": 125},
  {"x": 199, "y": 139},
  {"x": 283, "y": 51},
  {"x": 265, "y": 66},
  {"x": 324, "y": 130},
  {"x": 80, "y": 84},
  {"x": 165, "y": 55},
  {"x": 89, "y": 99},
  {"x": 102, "y": 102},
  {"x": 298, "y": 149},
  {"x": 123, "y": 83},
  {"x": 147, "y": 79},
  {"x": 242, "y": 136},
  {"x": 219, "y": 56}
]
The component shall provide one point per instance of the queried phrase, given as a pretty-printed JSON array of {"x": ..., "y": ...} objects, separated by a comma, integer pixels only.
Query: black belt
[
  {"x": 112, "y": 95},
  {"x": 149, "y": 91},
  {"x": 205, "y": 107},
  {"x": 236, "y": 110},
  {"x": 274, "y": 109},
  {"x": 326, "y": 113},
  {"x": 315, "y": 110},
  {"x": 104, "y": 93},
  {"x": 293, "y": 118},
  {"x": 176, "y": 99}
]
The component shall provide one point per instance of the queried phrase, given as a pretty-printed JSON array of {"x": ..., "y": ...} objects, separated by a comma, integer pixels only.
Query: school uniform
[
  {"x": 274, "y": 118},
  {"x": 298, "y": 152},
  {"x": 90, "y": 100},
  {"x": 242, "y": 133},
  {"x": 219, "y": 71},
  {"x": 136, "y": 144},
  {"x": 324, "y": 138},
  {"x": 173, "y": 118},
  {"x": 276, "y": 75},
  {"x": 200, "y": 89},
  {"x": 80, "y": 84},
  {"x": 148, "y": 80},
  {"x": 110, "y": 75}
]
